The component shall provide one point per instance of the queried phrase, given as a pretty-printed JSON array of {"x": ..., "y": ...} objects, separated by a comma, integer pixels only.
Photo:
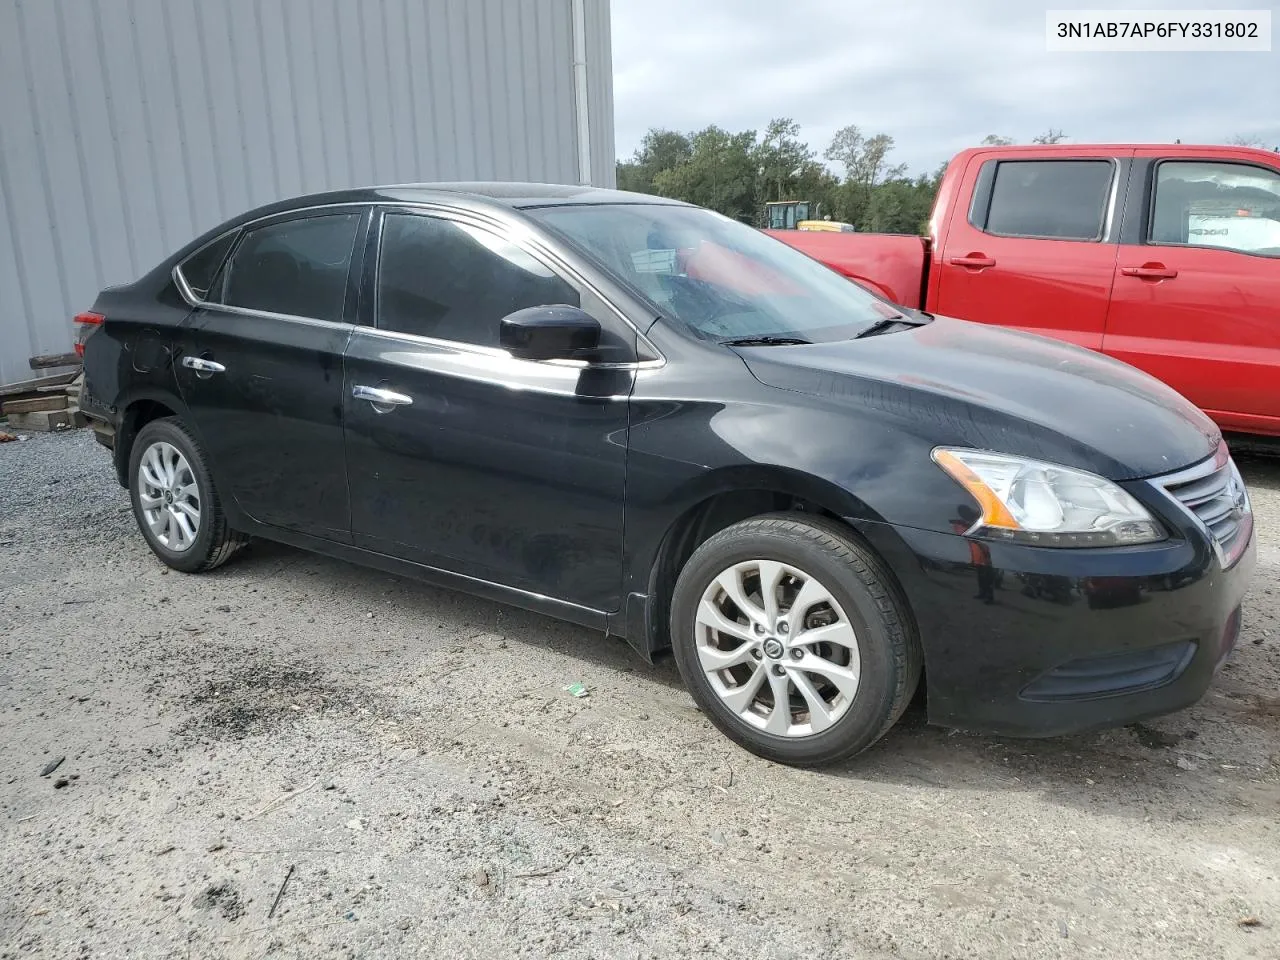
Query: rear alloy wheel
[
  {"x": 169, "y": 496},
  {"x": 174, "y": 500},
  {"x": 794, "y": 639}
]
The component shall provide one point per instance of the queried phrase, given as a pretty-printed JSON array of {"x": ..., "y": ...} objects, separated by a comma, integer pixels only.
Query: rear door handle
[
  {"x": 1150, "y": 271},
  {"x": 975, "y": 261},
  {"x": 383, "y": 400},
  {"x": 201, "y": 365}
]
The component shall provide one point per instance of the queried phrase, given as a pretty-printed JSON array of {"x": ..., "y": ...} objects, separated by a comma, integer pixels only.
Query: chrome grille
[{"x": 1214, "y": 493}]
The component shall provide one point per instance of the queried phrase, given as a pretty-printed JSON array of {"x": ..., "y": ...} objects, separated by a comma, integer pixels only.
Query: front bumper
[{"x": 1037, "y": 642}]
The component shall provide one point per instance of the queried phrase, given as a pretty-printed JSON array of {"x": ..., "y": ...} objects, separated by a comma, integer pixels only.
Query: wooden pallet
[{"x": 45, "y": 404}]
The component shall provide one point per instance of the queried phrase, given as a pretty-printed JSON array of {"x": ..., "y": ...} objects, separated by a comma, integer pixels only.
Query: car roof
[
  {"x": 515, "y": 194},
  {"x": 478, "y": 196},
  {"x": 467, "y": 194}
]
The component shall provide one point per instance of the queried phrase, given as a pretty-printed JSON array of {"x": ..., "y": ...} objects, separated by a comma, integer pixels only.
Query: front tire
[
  {"x": 794, "y": 639},
  {"x": 174, "y": 500}
]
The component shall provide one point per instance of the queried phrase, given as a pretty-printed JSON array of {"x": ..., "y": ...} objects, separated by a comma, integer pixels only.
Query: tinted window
[
  {"x": 298, "y": 267},
  {"x": 199, "y": 269},
  {"x": 1227, "y": 205},
  {"x": 1055, "y": 199},
  {"x": 453, "y": 281}
]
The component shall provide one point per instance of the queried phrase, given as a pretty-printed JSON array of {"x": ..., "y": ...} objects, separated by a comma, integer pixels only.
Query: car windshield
[{"x": 724, "y": 280}]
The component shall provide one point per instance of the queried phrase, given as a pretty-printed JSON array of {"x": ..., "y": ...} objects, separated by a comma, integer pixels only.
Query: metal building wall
[{"x": 127, "y": 127}]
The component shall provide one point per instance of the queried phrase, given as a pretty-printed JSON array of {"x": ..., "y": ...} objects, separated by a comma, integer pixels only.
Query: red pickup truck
[{"x": 1166, "y": 257}]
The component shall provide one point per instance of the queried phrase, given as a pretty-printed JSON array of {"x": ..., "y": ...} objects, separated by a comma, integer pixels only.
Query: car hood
[{"x": 970, "y": 384}]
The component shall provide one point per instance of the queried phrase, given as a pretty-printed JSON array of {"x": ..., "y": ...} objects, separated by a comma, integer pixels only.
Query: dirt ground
[{"x": 408, "y": 758}]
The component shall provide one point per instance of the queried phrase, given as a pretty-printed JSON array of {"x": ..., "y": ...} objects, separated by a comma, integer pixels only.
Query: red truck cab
[{"x": 1166, "y": 257}]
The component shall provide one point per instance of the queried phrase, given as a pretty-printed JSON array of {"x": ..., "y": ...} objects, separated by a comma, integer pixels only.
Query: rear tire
[
  {"x": 815, "y": 674},
  {"x": 174, "y": 500}
]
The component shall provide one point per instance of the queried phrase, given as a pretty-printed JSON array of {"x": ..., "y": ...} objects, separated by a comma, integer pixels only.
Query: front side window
[
  {"x": 1229, "y": 205},
  {"x": 294, "y": 267},
  {"x": 724, "y": 280},
  {"x": 1050, "y": 199},
  {"x": 454, "y": 281}
]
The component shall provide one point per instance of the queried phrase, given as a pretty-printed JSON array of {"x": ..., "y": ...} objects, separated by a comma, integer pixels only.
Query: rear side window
[
  {"x": 199, "y": 269},
  {"x": 454, "y": 281},
  {"x": 1229, "y": 205},
  {"x": 295, "y": 267},
  {"x": 1050, "y": 199}
]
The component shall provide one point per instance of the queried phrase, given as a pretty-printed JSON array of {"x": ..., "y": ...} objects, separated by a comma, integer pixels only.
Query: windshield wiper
[
  {"x": 764, "y": 341},
  {"x": 889, "y": 323}
]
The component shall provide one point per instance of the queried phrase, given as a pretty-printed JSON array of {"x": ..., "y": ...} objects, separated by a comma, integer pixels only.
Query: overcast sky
[{"x": 937, "y": 76}]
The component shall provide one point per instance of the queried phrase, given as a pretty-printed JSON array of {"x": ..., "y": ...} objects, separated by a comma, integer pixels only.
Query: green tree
[
  {"x": 902, "y": 205},
  {"x": 781, "y": 158},
  {"x": 816, "y": 184},
  {"x": 866, "y": 166},
  {"x": 995, "y": 140},
  {"x": 737, "y": 173},
  {"x": 659, "y": 150},
  {"x": 720, "y": 173}
]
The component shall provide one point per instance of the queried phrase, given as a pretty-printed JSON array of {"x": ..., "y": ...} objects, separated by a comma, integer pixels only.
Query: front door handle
[
  {"x": 1149, "y": 271},
  {"x": 974, "y": 261},
  {"x": 203, "y": 367},
  {"x": 383, "y": 400}
]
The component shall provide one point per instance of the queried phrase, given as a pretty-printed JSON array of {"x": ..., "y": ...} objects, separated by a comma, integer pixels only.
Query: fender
[{"x": 661, "y": 533}]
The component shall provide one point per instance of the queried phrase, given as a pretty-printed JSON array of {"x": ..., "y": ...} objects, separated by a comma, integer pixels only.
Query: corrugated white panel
[{"x": 127, "y": 127}]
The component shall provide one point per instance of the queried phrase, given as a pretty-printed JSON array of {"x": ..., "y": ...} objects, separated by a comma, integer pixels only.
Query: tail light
[{"x": 86, "y": 323}]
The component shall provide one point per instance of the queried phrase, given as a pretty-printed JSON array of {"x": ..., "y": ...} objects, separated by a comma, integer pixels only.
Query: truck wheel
[
  {"x": 174, "y": 501},
  {"x": 794, "y": 639}
]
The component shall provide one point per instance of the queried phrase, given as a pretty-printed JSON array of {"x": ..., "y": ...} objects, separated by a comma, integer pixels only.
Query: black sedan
[{"x": 646, "y": 418}]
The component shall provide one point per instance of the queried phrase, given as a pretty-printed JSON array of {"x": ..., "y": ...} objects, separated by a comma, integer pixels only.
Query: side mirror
[{"x": 557, "y": 332}]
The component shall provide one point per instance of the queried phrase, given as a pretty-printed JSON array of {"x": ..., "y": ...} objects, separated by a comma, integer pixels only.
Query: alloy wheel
[
  {"x": 777, "y": 648},
  {"x": 169, "y": 496}
]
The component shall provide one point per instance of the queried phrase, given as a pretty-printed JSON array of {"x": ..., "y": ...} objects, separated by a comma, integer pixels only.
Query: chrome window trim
[
  {"x": 189, "y": 295},
  {"x": 499, "y": 353},
  {"x": 180, "y": 280},
  {"x": 543, "y": 255},
  {"x": 449, "y": 359},
  {"x": 434, "y": 359},
  {"x": 1109, "y": 218}
]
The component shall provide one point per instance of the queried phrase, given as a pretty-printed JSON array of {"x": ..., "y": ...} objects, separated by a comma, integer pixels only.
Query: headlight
[{"x": 1042, "y": 503}]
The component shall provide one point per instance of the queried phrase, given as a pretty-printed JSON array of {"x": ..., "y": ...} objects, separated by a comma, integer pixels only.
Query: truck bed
[{"x": 892, "y": 265}]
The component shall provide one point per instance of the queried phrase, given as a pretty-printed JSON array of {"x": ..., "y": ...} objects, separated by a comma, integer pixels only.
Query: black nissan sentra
[{"x": 646, "y": 418}]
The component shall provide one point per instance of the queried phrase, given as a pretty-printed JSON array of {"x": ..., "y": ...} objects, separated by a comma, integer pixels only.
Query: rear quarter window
[{"x": 199, "y": 270}]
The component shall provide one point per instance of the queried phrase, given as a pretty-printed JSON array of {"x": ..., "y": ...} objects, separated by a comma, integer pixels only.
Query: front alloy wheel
[
  {"x": 794, "y": 638},
  {"x": 777, "y": 648}
]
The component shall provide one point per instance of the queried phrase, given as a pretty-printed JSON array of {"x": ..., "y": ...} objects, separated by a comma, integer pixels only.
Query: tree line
[{"x": 738, "y": 173}]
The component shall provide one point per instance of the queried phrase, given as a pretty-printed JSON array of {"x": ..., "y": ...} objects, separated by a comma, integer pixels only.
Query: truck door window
[
  {"x": 1229, "y": 205},
  {"x": 1049, "y": 199}
]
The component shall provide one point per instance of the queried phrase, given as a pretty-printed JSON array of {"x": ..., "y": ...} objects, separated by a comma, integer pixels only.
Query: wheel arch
[
  {"x": 715, "y": 502},
  {"x": 140, "y": 409}
]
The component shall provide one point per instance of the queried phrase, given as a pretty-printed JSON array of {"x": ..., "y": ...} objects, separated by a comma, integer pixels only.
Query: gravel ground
[{"x": 411, "y": 756}]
